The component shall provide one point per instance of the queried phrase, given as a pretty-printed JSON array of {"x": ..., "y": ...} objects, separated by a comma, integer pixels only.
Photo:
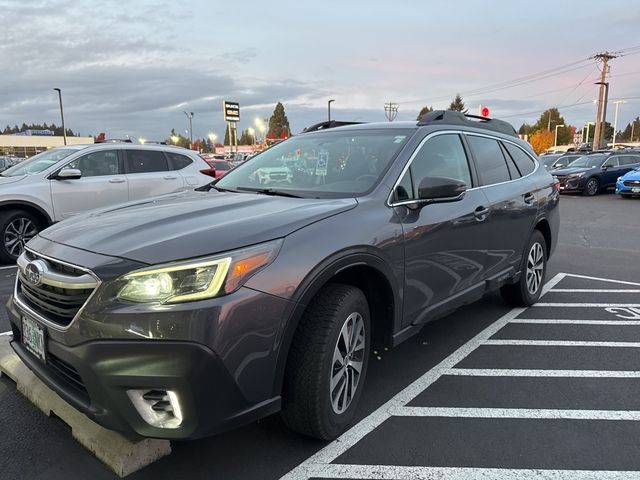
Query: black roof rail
[
  {"x": 328, "y": 124},
  {"x": 452, "y": 117},
  {"x": 115, "y": 140}
]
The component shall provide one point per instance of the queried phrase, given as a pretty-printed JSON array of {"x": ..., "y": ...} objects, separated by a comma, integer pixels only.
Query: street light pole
[
  {"x": 64, "y": 130},
  {"x": 615, "y": 122},
  {"x": 329, "y": 109},
  {"x": 587, "y": 140},
  {"x": 555, "y": 141},
  {"x": 190, "y": 117}
]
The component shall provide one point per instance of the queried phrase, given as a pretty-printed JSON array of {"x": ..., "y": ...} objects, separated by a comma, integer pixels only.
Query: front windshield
[
  {"x": 327, "y": 164},
  {"x": 38, "y": 163},
  {"x": 588, "y": 161}
]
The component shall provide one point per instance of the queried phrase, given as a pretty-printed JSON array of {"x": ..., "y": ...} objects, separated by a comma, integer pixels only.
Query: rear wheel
[
  {"x": 327, "y": 364},
  {"x": 528, "y": 289},
  {"x": 592, "y": 188},
  {"x": 17, "y": 227}
]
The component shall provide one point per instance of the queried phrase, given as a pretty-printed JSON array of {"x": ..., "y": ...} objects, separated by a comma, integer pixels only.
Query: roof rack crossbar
[
  {"x": 328, "y": 124},
  {"x": 453, "y": 117}
]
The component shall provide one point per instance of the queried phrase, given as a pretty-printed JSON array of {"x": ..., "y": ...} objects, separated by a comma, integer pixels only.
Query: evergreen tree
[
  {"x": 177, "y": 139},
  {"x": 424, "y": 111},
  {"x": 226, "y": 137},
  {"x": 279, "y": 122},
  {"x": 525, "y": 129},
  {"x": 548, "y": 121},
  {"x": 458, "y": 105}
]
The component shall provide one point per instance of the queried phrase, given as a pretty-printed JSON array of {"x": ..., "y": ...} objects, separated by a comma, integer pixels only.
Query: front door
[
  {"x": 102, "y": 184},
  {"x": 445, "y": 243}
]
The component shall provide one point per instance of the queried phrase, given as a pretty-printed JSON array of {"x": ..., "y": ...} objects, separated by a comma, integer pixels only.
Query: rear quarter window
[
  {"x": 178, "y": 161},
  {"x": 523, "y": 161}
]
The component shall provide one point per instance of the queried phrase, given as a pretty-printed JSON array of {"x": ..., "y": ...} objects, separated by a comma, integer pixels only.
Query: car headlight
[
  {"x": 576, "y": 175},
  {"x": 196, "y": 279},
  {"x": 619, "y": 179}
]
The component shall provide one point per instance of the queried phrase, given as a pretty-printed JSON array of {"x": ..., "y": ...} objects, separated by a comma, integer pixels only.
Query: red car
[{"x": 218, "y": 167}]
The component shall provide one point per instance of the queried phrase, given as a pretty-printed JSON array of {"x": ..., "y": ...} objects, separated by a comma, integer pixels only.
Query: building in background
[{"x": 24, "y": 145}]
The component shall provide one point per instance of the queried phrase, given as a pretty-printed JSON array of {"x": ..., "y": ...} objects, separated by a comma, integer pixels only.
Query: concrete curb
[{"x": 121, "y": 454}]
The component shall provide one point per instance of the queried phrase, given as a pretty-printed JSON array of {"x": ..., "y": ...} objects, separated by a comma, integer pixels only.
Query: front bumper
[
  {"x": 627, "y": 189},
  {"x": 572, "y": 184}
]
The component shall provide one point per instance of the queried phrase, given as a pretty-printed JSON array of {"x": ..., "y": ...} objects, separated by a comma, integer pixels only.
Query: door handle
[
  {"x": 116, "y": 180},
  {"x": 169, "y": 177},
  {"x": 529, "y": 199},
  {"x": 481, "y": 213}
]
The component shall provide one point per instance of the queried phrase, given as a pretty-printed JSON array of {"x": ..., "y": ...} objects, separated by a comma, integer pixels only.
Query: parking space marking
[
  {"x": 593, "y": 290},
  {"x": 343, "y": 443},
  {"x": 589, "y": 305},
  {"x": 8, "y": 266},
  {"x": 540, "y": 414},
  {"x": 391, "y": 472},
  {"x": 550, "y": 321},
  {"x": 507, "y": 372},
  {"x": 597, "y": 279},
  {"x": 563, "y": 343},
  {"x": 6, "y": 333}
]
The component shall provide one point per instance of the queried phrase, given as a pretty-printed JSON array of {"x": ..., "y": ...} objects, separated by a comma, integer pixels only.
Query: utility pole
[
  {"x": 391, "y": 111},
  {"x": 602, "y": 97}
]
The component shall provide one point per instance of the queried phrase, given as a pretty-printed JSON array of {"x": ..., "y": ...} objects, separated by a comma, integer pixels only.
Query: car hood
[
  {"x": 632, "y": 175},
  {"x": 191, "y": 224},
  {"x": 8, "y": 180},
  {"x": 567, "y": 171}
]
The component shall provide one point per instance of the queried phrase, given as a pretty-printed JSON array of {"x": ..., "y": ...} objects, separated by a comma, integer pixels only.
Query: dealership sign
[{"x": 231, "y": 111}]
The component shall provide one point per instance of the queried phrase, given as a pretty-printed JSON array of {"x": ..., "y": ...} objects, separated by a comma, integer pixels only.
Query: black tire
[
  {"x": 518, "y": 294},
  {"x": 307, "y": 404},
  {"x": 592, "y": 187},
  {"x": 9, "y": 220}
]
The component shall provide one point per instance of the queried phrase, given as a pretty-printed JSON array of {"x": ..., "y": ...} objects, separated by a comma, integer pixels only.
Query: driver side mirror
[
  {"x": 68, "y": 174},
  {"x": 441, "y": 189}
]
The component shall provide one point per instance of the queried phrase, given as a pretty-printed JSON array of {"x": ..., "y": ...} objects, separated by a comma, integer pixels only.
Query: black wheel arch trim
[
  {"x": 22, "y": 203},
  {"x": 315, "y": 280}
]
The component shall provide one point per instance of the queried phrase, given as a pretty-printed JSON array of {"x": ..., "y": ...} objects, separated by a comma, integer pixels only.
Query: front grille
[
  {"x": 61, "y": 293},
  {"x": 632, "y": 183},
  {"x": 66, "y": 373},
  {"x": 54, "y": 303}
]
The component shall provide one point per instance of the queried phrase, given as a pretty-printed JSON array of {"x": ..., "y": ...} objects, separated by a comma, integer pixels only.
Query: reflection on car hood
[
  {"x": 567, "y": 171},
  {"x": 191, "y": 224},
  {"x": 632, "y": 175},
  {"x": 8, "y": 180}
]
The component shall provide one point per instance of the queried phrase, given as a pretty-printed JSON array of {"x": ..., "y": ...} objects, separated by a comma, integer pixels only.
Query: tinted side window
[
  {"x": 612, "y": 162},
  {"x": 178, "y": 162},
  {"x": 441, "y": 156},
  {"x": 523, "y": 161},
  {"x": 145, "y": 161},
  {"x": 96, "y": 164},
  {"x": 513, "y": 169},
  {"x": 490, "y": 161},
  {"x": 628, "y": 160}
]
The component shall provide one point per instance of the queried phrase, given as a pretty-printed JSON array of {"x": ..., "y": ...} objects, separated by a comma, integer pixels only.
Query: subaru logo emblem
[{"x": 33, "y": 273}]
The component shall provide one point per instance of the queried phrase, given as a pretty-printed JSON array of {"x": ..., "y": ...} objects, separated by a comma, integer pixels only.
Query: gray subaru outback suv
[{"x": 184, "y": 316}]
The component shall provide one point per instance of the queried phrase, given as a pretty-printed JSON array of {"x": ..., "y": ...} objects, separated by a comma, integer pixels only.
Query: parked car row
[
  {"x": 595, "y": 172},
  {"x": 65, "y": 181}
]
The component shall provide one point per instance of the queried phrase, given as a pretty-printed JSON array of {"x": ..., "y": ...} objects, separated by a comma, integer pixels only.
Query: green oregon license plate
[{"x": 33, "y": 336}]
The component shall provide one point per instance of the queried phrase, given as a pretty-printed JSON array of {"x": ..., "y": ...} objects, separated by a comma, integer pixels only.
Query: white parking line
[
  {"x": 390, "y": 472},
  {"x": 563, "y": 343},
  {"x": 575, "y": 322},
  {"x": 588, "y": 305},
  {"x": 6, "y": 333},
  {"x": 336, "y": 448},
  {"x": 542, "y": 414},
  {"x": 593, "y": 290},
  {"x": 609, "y": 280},
  {"x": 8, "y": 266},
  {"x": 489, "y": 372}
]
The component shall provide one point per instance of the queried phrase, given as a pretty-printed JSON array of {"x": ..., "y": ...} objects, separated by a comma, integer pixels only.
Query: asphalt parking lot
[{"x": 552, "y": 391}]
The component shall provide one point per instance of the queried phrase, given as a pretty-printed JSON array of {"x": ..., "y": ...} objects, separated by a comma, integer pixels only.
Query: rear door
[
  {"x": 149, "y": 174},
  {"x": 445, "y": 243},
  {"x": 102, "y": 184},
  {"x": 511, "y": 196}
]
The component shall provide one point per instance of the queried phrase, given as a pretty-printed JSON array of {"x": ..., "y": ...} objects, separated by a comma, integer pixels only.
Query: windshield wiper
[{"x": 268, "y": 191}]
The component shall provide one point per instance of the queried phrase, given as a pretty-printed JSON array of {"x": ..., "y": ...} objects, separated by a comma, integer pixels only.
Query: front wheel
[
  {"x": 327, "y": 364},
  {"x": 17, "y": 227},
  {"x": 592, "y": 188},
  {"x": 528, "y": 289}
]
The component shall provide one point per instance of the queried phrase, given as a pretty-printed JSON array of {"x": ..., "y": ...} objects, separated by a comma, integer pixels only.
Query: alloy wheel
[
  {"x": 535, "y": 268},
  {"x": 347, "y": 363},
  {"x": 592, "y": 187},
  {"x": 17, "y": 234}
]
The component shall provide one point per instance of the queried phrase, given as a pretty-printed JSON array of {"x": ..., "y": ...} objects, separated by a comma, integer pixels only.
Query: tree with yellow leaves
[{"x": 541, "y": 141}]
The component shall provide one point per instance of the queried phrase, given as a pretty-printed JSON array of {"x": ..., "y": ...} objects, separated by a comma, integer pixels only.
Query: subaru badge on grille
[{"x": 33, "y": 272}]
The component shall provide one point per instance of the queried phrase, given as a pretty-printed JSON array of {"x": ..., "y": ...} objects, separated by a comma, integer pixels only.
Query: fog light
[{"x": 159, "y": 408}]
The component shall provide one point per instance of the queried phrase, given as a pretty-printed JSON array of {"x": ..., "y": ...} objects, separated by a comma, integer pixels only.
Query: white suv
[{"x": 65, "y": 181}]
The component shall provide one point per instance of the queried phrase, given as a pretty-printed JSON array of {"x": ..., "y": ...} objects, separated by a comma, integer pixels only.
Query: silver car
[{"x": 69, "y": 180}]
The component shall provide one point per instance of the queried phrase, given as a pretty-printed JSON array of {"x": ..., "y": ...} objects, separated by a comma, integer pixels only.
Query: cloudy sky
[{"x": 132, "y": 68}]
